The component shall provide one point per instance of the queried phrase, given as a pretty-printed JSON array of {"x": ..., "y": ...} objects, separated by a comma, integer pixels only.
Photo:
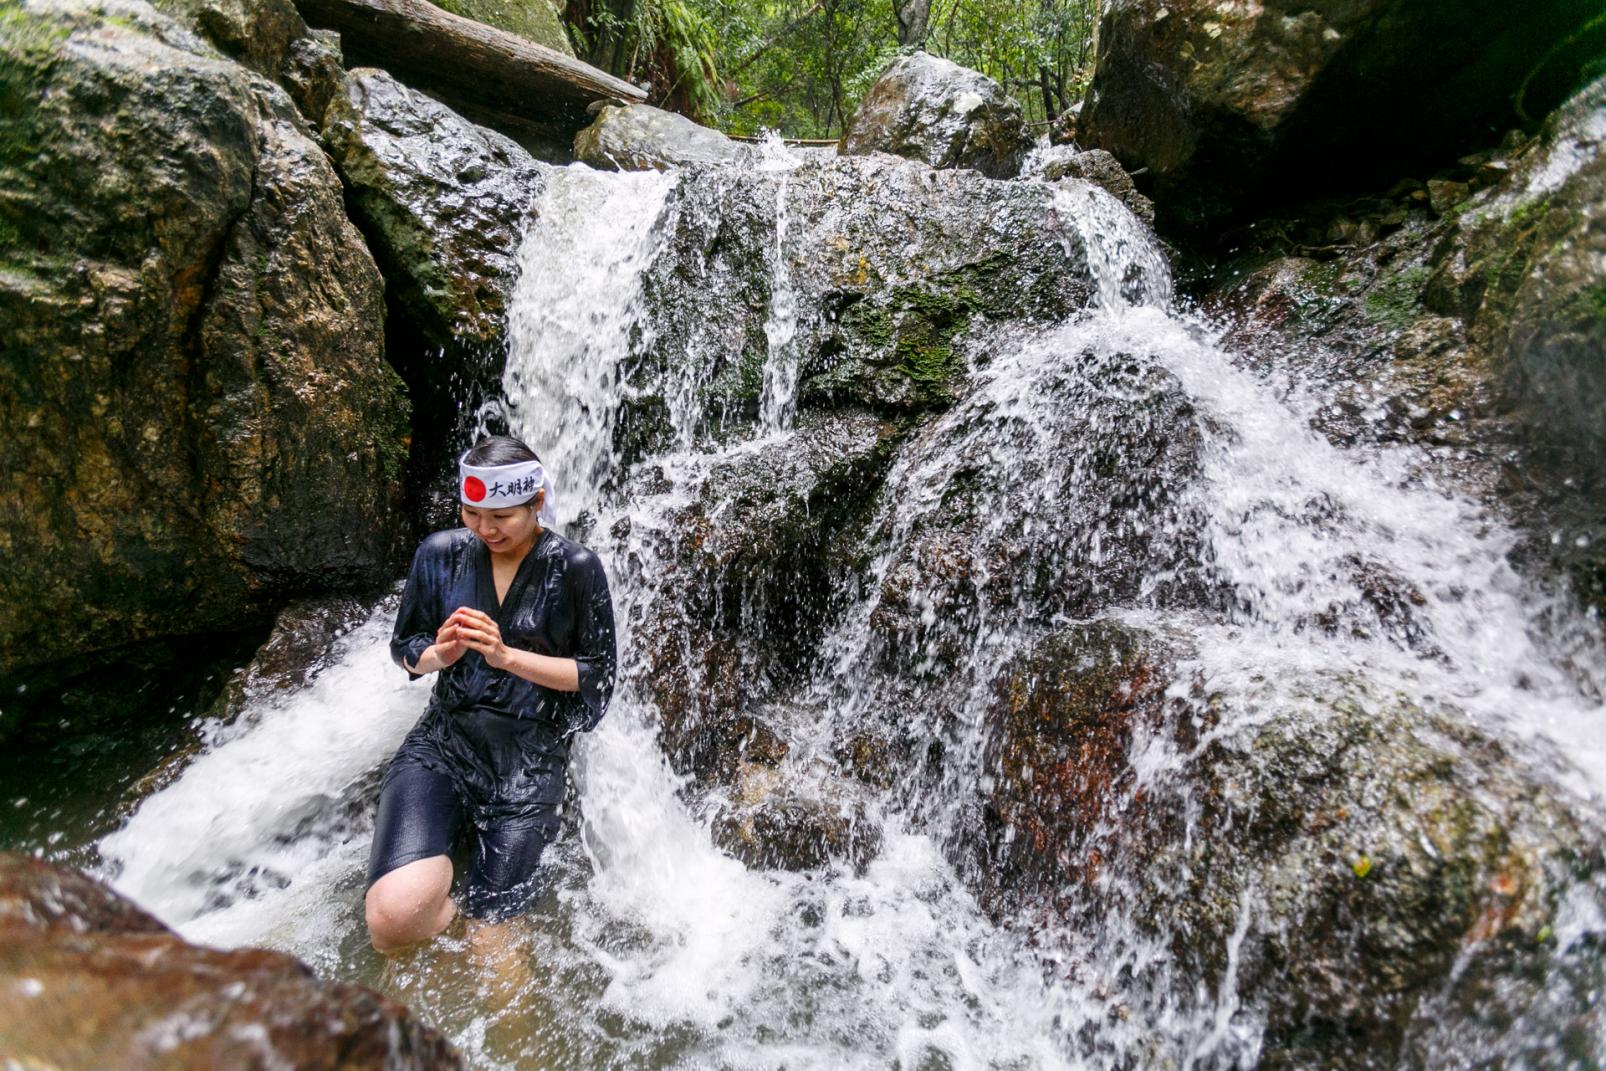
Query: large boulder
[
  {"x": 270, "y": 37},
  {"x": 444, "y": 203},
  {"x": 636, "y": 137},
  {"x": 885, "y": 304},
  {"x": 93, "y": 982},
  {"x": 1230, "y": 105},
  {"x": 857, "y": 279},
  {"x": 758, "y": 549},
  {"x": 1477, "y": 326},
  {"x": 1359, "y": 874},
  {"x": 200, "y": 421},
  {"x": 933, "y": 110}
]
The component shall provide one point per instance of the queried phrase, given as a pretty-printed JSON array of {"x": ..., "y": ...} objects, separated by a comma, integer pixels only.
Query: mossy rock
[
  {"x": 1479, "y": 330},
  {"x": 1361, "y": 872},
  {"x": 534, "y": 20},
  {"x": 200, "y": 419},
  {"x": 890, "y": 275}
]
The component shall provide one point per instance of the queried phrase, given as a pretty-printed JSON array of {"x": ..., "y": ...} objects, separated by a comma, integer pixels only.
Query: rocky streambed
[{"x": 1023, "y": 665}]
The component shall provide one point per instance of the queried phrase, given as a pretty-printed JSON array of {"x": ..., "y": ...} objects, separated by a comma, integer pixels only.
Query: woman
[{"x": 516, "y": 623}]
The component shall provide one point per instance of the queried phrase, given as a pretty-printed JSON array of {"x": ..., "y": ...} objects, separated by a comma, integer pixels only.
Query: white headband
[{"x": 501, "y": 486}]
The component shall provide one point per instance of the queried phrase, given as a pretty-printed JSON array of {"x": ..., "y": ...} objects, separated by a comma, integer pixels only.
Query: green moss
[
  {"x": 1528, "y": 212},
  {"x": 1322, "y": 277},
  {"x": 27, "y": 39},
  {"x": 1395, "y": 300},
  {"x": 928, "y": 320},
  {"x": 533, "y": 20},
  {"x": 1588, "y": 304}
]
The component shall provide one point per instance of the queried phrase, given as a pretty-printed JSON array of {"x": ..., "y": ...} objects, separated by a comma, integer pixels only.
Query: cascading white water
[
  {"x": 778, "y": 401},
  {"x": 656, "y": 948}
]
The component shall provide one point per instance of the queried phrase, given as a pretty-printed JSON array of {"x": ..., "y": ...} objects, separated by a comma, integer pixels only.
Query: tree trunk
[
  {"x": 466, "y": 61},
  {"x": 914, "y": 16}
]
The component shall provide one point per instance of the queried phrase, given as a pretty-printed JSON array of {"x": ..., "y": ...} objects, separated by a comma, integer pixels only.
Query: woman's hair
[{"x": 501, "y": 450}]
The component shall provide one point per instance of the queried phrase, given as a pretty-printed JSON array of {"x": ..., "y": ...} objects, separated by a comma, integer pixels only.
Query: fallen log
[{"x": 465, "y": 61}]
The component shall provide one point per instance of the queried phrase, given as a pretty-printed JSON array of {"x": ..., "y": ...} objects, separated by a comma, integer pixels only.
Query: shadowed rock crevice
[{"x": 1232, "y": 109}]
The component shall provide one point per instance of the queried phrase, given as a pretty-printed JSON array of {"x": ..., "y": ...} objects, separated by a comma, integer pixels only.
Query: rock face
[
  {"x": 444, "y": 200},
  {"x": 1477, "y": 327},
  {"x": 445, "y": 203},
  {"x": 636, "y": 137},
  {"x": 91, "y": 981},
  {"x": 778, "y": 820},
  {"x": 270, "y": 37},
  {"x": 200, "y": 422},
  {"x": 769, "y": 565},
  {"x": 1090, "y": 165},
  {"x": 934, "y": 110},
  {"x": 1229, "y": 105},
  {"x": 884, "y": 269},
  {"x": 877, "y": 334},
  {"x": 1370, "y": 865}
]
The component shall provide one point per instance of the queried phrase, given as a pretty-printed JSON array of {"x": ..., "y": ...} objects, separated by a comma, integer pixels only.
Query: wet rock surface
[
  {"x": 786, "y": 819},
  {"x": 444, "y": 203},
  {"x": 933, "y": 110},
  {"x": 1355, "y": 868},
  {"x": 1230, "y": 106},
  {"x": 271, "y": 38},
  {"x": 1058, "y": 755},
  {"x": 770, "y": 561},
  {"x": 884, "y": 266},
  {"x": 1472, "y": 327},
  {"x": 638, "y": 137},
  {"x": 93, "y": 982},
  {"x": 1115, "y": 442},
  {"x": 200, "y": 419},
  {"x": 443, "y": 200},
  {"x": 1095, "y": 166}
]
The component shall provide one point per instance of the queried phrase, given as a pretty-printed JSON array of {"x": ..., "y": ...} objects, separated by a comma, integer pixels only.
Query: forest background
[{"x": 800, "y": 67}]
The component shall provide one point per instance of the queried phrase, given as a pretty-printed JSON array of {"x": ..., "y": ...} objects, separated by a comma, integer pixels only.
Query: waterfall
[{"x": 1120, "y": 465}]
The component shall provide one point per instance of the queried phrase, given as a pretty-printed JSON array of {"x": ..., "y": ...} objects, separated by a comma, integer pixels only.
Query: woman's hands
[
  {"x": 466, "y": 630},
  {"x": 449, "y": 645},
  {"x": 477, "y": 631},
  {"x": 471, "y": 630}
]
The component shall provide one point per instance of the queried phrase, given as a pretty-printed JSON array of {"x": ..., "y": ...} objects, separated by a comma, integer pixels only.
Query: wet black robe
[{"x": 505, "y": 740}]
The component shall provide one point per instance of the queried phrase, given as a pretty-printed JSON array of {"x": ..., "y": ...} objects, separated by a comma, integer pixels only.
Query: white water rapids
[{"x": 656, "y": 949}]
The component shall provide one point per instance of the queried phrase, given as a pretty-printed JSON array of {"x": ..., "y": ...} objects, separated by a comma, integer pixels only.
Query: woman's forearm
[
  {"x": 559, "y": 674},
  {"x": 428, "y": 662}
]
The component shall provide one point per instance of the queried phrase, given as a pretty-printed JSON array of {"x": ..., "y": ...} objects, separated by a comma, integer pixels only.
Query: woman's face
[{"x": 510, "y": 529}]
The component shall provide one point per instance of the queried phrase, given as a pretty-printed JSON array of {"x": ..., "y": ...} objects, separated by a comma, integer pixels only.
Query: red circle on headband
[{"x": 473, "y": 489}]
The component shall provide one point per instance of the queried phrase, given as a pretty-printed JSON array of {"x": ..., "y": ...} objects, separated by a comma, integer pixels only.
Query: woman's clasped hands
[{"x": 471, "y": 630}]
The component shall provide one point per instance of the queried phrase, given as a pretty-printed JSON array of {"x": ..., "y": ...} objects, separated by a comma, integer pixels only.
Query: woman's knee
[{"x": 410, "y": 903}]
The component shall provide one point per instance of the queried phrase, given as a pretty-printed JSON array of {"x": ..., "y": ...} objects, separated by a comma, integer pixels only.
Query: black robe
[{"x": 505, "y": 740}]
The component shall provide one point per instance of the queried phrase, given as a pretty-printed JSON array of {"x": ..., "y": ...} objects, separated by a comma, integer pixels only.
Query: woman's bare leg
[{"x": 410, "y": 904}]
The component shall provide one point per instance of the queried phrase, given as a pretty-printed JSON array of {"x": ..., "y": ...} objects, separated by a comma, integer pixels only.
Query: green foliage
[
  {"x": 668, "y": 45},
  {"x": 801, "y": 67}
]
